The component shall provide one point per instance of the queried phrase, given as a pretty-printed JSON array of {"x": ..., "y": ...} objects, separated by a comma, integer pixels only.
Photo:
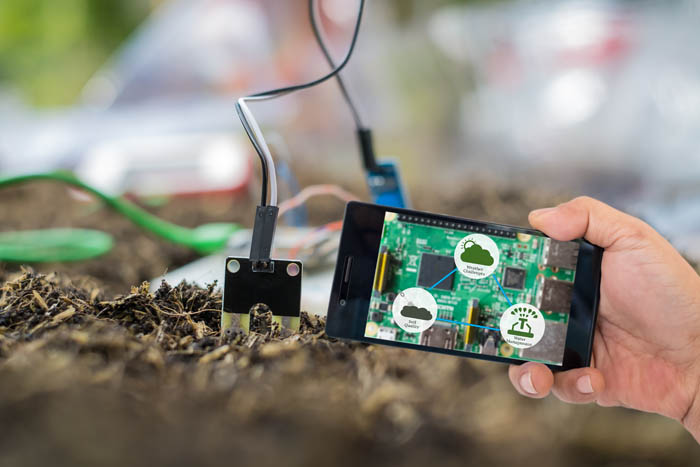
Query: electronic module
[{"x": 517, "y": 272}]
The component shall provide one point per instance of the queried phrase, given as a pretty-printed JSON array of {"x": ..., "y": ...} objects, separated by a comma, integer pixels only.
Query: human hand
[{"x": 646, "y": 347}]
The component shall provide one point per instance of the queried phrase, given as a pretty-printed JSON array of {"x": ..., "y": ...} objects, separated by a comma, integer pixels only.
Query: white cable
[
  {"x": 260, "y": 139},
  {"x": 252, "y": 124}
]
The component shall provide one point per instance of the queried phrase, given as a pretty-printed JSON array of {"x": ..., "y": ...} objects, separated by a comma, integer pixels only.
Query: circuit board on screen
[{"x": 417, "y": 252}]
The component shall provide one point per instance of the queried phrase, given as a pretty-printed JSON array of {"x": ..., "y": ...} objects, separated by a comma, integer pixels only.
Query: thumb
[{"x": 591, "y": 219}]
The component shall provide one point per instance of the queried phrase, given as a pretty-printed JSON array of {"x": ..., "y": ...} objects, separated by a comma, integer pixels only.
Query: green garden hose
[
  {"x": 36, "y": 246},
  {"x": 77, "y": 244}
]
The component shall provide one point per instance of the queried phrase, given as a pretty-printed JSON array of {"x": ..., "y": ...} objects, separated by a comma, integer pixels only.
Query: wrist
[{"x": 691, "y": 417}]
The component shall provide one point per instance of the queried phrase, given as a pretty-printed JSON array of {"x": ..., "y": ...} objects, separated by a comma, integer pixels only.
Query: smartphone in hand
[{"x": 464, "y": 287}]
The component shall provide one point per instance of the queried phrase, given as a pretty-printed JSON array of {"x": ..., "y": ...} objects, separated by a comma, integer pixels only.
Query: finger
[
  {"x": 531, "y": 379},
  {"x": 579, "y": 386},
  {"x": 586, "y": 217}
]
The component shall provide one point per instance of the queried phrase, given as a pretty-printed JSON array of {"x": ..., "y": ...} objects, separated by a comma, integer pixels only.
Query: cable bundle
[{"x": 251, "y": 126}]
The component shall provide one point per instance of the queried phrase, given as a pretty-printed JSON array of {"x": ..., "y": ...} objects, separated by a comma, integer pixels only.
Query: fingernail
[
  {"x": 526, "y": 383},
  {"x": 584, "y": 385},
  {"x": 540, "y": 212}
]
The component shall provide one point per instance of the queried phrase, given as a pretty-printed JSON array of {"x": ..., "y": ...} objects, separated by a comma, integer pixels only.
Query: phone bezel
[{"x": 360, "y": 241}]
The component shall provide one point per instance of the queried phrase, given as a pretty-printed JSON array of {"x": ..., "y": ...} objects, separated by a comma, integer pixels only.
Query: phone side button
[{"x": 345, "y": 284}]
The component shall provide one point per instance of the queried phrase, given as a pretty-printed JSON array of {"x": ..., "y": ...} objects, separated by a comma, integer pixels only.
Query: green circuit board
[{"x": 532, "y": 269}]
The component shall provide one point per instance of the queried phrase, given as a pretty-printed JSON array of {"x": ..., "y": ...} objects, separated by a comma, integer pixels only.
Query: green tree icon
[{"x": 476, "y": 254}]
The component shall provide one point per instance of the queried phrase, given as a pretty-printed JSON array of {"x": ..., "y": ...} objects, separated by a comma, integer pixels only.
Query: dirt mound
[
  {"x": 88, "y": 377},
  {"x": 147, "y": 378}
]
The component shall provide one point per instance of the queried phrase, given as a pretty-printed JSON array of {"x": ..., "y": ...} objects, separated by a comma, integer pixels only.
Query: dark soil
[
  {"x": 92, "y": 373},
  {"x": 140, "y": 256},
  {"x": 137, "y": 255}
]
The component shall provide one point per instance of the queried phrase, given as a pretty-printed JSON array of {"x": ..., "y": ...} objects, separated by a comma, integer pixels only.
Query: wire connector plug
[
  {"x": 364, "y": 138},
  {"x": 263, "y": 236}
]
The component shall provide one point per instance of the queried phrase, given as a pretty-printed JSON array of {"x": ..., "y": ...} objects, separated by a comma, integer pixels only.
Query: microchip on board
[
  {"x": 433, "y": 268},
  {"x": 514, "y": 278}
]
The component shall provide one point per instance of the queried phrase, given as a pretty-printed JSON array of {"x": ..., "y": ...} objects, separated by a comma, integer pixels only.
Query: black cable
[
  {"x": 329, "y": 59},
  {"x": 263, "y": 162},
  {"x": 364, "y": 134},
  {"x": 288, "y": 89},
  {"x": 333, "y": 72}
]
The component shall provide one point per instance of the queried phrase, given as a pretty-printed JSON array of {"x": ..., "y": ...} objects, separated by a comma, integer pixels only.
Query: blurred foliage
[
  {"x": 406, "y": 10},
  {"x": 50, "y": 48}
]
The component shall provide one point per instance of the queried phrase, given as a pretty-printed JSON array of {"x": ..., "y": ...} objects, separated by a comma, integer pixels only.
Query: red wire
[{"x": 331, "y": 227}]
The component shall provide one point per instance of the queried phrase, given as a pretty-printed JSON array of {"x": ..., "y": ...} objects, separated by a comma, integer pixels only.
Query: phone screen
[{"x": 480, "y": 290}]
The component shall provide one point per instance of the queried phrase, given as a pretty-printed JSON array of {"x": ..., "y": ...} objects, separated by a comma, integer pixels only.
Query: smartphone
[{"x": 463, "y": 287}]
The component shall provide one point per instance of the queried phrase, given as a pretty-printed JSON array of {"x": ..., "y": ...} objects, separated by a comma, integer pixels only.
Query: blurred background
[
  {"x": 595, "y": 97},
  {"x": 491, "y": 108}
]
